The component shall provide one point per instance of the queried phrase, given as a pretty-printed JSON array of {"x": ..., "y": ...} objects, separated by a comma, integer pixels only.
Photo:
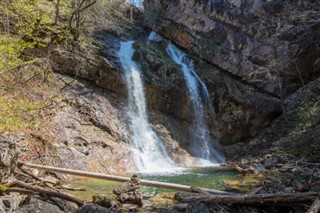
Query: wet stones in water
[{"x": 129, "y": 192}]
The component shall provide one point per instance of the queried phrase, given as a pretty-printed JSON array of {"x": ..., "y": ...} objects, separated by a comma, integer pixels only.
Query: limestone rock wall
[
  {"x": 260, "y": 42},
  {"x": 236, "y": 112}
]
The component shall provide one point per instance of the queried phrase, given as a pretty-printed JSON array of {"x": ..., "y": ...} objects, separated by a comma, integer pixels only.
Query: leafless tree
[
  {"x": 5, "y": 16},
  {"x": 57, "y": 12},
  {"x": 293, "y": 14},
  {"x": 77, "y": 18}
]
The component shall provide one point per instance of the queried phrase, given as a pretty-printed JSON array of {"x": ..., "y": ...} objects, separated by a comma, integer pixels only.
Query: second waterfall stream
[
  {"x": 149, "y": 152},
  {"x": 202, "y": 145}
]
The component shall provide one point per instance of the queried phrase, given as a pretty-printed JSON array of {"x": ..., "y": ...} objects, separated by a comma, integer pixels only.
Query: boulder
[
  {"x": 44, "y": 205},
  {"x": 129, "y": 192},
  {"x": 8, "y": 158},
  {"x": 105, "y": 201}
]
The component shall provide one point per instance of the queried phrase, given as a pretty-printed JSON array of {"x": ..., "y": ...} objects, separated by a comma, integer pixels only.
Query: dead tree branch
[
  {"x": 46, "y": 192},
  {"x": 249, "y": 199}
]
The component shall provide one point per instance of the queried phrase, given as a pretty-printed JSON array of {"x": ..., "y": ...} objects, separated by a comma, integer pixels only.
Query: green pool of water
[
  {"x": 209, "y": 177},
  {"x": 213, "y": 178}
]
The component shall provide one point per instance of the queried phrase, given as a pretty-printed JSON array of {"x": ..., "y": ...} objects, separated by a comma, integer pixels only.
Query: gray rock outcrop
[
  {"x": 263, "y": 43},
  {"x": 8, "y": 157}
]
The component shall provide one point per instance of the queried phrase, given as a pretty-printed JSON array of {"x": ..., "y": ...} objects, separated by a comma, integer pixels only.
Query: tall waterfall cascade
[
  {"x": 202, "y": 146},
  {"x": 149, "y": 152}
]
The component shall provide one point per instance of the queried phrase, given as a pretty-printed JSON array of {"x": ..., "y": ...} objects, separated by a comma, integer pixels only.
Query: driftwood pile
[{"x": 27, "y": 183}]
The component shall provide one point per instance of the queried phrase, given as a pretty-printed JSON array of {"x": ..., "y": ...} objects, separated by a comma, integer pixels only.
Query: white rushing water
[
  {"x": 202, "y": 146},
  {"x": 137, "y": 3},
  {"x": 154, "y": 37},
  {"x": 149, "y": 152}
]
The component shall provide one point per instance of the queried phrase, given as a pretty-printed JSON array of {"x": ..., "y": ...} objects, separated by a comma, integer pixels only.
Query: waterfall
[
  {"x": 137, "y": 3},
  {"x": 201, "y": 147},
  {"x": 154, "y": 37},
  {"x": 149, "y": 152}
]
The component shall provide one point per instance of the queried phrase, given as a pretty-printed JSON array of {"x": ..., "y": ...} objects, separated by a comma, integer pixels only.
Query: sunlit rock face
[
  {"x": 236, "y": 112},
  {"x": 263, "y": 43}
]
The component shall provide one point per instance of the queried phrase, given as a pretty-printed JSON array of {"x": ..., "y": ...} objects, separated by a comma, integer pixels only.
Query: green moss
[
  {"x": 31, "y": 26},
  {"x": 208, "y": 47},
  {"x": 136, "y": 56},
  {"x": 151, "y": 16},
  {"x": 3, "y": 188},
  {"x": 18, "y": 113},
  {"x": 70, "y": 102},
  {"x": 156, "y": 56},
  {"x": 310, "y": 150},
  {"x": 308, "y": 115},
  {"x": 10, "y": 51}
]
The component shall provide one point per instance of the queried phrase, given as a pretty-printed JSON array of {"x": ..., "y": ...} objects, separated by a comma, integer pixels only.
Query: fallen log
[
  {"x": 315, "y": 208},
  {"x": 238, "y": 168},
  {"x": 249, "y": 199},
  {"x": 172, "y": 186},
  {"x": 50, "y": 193}
]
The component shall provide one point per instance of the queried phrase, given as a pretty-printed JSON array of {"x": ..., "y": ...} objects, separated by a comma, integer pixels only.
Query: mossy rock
[
  {"x": 136, "y": 56},
  {"x": 155, "y": 55}
]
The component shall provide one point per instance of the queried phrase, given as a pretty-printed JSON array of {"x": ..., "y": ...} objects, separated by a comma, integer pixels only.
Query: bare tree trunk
[
  {"x": 47, "y": 192},
  {"x": 131, "y": 9},
  {"x": 282, "y": 96},
  {"x": 315, "y": 208},
  {"x": 75, "y": 21},
  {"x": 6, "y": 21},
  {"x": 57, "y": 12}
]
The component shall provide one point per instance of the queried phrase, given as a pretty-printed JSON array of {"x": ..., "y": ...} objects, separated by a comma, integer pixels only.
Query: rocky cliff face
[
  {"x": 236, "y": 112},
  {"x": 237, "y": 52},
  {"x": 263, "y": 43},
  {"x": 90, "y": 126},
  {"x": 297, "y": 133},
  {"x": 241, "y": 53}
]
